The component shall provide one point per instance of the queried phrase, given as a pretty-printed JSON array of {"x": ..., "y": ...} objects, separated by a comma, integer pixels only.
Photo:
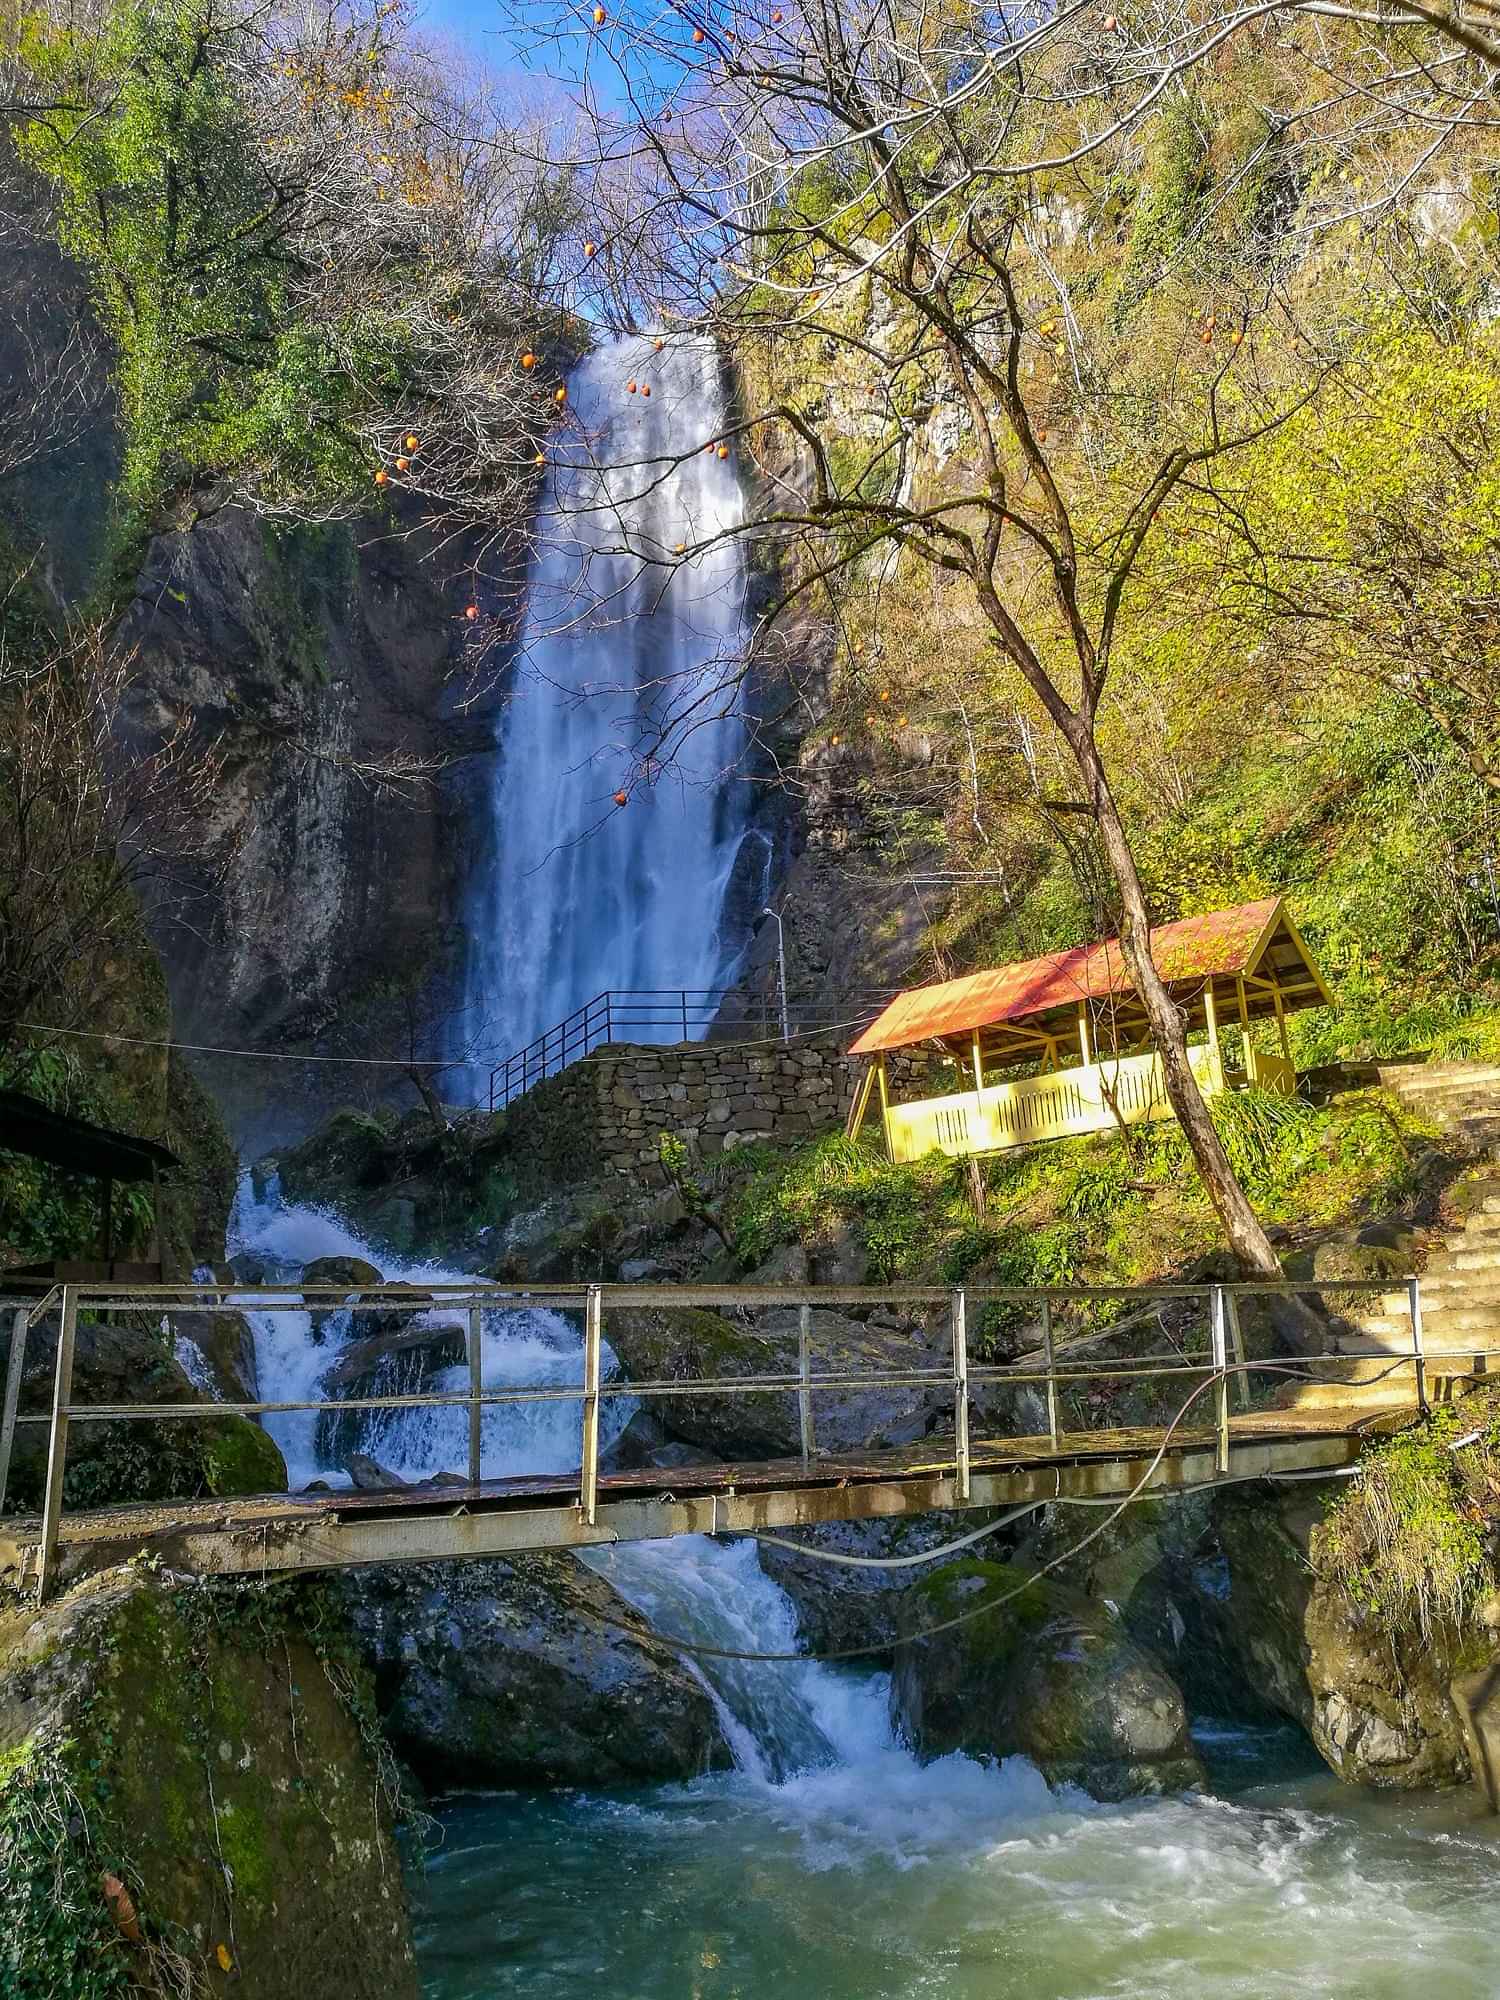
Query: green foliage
[
  {"x": 1412, "y": 1538},
  {"x": 902, "y": 1210},
  {"x": 45, "y": 1212},
  {"x": 1170, "y": 201},
  {"x": 168, "y": 200},
  {"x": 1104, "y": 1210},
  {"x": 57, "y": 1941}
]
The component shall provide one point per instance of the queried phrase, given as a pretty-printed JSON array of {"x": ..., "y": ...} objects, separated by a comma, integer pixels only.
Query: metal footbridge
[{"x": 1209, "y": 1415}]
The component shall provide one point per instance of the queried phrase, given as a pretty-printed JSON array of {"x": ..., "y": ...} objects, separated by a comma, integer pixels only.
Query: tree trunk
[
  {"x": 432, "y": 1104},
  {"x": 1242, "y": 1226}
]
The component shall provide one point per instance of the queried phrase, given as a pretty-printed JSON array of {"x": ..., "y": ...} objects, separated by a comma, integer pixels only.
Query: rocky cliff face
[
  {"x": 317, "y": 660},
  {"x": 325, "y": 914}
]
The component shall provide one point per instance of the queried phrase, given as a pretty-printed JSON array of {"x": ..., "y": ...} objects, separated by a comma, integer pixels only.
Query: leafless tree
[{"x": 85, "y": 830}]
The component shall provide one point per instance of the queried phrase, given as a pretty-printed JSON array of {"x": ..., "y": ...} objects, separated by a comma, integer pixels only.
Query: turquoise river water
[{"x": 878, "y": 1880}]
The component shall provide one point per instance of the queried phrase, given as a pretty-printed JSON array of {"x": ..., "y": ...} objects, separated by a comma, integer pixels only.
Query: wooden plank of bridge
[{"x": 837, "y": 1481}]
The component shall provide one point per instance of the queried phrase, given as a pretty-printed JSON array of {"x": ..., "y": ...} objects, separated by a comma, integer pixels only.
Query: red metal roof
[{"x": 1195, "y": 948}]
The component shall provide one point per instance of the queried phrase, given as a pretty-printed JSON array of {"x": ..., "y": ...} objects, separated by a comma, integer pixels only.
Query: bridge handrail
[
  {"x": 1222, "y": 1363},
  {"x": 604, "y": 1018}
]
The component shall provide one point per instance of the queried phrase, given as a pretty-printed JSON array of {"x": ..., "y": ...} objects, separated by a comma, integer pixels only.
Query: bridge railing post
[
  {"x": 593, "y": 1341},
  {"x": 1218, "y": 1337},
  {"x": 804, "y": 1383},
  {"x": 1049, "y": 1364},
  {"x": 1418, "y": 1348},
  {"x": 19, "y": 1327},
  {"x": 1237, "y": 1349},
  {"x": 476, "y": 1392},
  {"x": 961, "y": 1391},
  {"x": 57, "y": 1451}
]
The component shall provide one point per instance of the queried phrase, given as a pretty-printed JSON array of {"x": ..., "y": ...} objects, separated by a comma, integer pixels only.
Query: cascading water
[
  {"x": 627, "y": 683},
  {"x": 520, "y": 1349},
  {"x": 775, "y": 1723},
  {"x": 626, "y": 650}
]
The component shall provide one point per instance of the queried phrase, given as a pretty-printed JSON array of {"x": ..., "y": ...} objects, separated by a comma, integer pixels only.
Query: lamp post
[{"x": 786, "y": 1032}]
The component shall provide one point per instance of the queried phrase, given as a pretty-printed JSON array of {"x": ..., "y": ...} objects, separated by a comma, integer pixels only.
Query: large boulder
[
  {"x": 1377, "y": 1703},
  {"x": 1046, "y": 1674},
  {"x": 188, "y": 1749},
  {"x": 176, "y": 1458},
  {"x": 1159, "y": 1569},
  {"x": 839, "y": 1606},
  {"x": 687, "y": 1345},
  {"x": 527, "y": 1671},
  {"x": 354, "y": 1274},
  {"x": 216, "y": 1350}
]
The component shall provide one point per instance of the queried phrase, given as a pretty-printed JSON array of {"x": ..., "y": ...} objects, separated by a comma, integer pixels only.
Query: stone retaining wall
[{"x": 607, "y": 1112}]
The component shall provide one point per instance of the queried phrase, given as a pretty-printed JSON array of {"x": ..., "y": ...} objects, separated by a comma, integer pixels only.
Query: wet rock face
[
  {"x": 1159, "y": 1570},
  {"x": 504, "y": 1672},
  {"x": 1047, "y": 1674},
  {"x": 1379, "y": 1706}
]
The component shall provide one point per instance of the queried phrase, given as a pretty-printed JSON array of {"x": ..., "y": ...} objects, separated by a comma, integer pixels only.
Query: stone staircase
[
  {"x": 1463, "y": 1099},
  {"x": 1460, "y": 1277}
]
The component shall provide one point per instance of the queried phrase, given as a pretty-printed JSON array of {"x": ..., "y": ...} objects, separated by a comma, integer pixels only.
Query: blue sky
[
  {"x": 476, "y": 23},
  {"x": 486, "y": 28}
]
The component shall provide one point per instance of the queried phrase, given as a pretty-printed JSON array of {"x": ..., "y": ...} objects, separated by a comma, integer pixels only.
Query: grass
[
  {"x": 1099, "y": 1210},
  {"x": 1411, "y": 1540}
]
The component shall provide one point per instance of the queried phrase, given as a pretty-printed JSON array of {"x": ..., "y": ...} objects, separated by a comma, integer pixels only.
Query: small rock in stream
[{"x": 368, "y": 1476}]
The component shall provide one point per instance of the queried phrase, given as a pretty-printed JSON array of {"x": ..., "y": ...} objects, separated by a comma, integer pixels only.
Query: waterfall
[{"x": 626, "y": 684}]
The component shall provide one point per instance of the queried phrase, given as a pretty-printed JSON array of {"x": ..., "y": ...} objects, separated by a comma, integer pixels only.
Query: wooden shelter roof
[
  {"x": 1189, "y": 954},
  {"x": 28, "y": 1126}
]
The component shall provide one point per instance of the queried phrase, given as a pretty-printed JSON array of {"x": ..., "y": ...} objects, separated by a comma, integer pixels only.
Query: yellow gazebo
[{"x": 1074, "y": 1019}]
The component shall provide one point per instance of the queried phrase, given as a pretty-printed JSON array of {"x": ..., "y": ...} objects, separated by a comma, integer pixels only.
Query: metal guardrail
[
  {"x": 1051, "y": 1368},
  {"x": 657, "y": 1015}
]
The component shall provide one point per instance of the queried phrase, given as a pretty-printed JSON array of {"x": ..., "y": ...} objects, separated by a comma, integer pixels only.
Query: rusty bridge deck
[{"x": 282, "y": 1533}]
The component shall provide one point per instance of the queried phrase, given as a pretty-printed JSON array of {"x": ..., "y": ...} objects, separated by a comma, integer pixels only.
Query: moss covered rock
[
  {"x": 199, "y": 1748},
  {"x": 1159, "y": 1569},
  {"x": 1375, "y": 1699},
  {"x": 1044, "y": 1674},
  {"x": 527, "y": 1671},
  {"x": 177, "y": 1458},
  {"x": 688, "y": 1345}
]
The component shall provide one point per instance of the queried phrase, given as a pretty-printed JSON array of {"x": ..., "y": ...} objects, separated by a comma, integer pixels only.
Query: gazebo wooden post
[
  {"x": 1249, "y": 1046},
  {"x": 883, "y": 1086},
  {"x": 1286, "y": 1046},
  {"x": 1085, "y": 1037},
  {"x": 1211, "y": 1018},
  {"x": 978, "y": 1065}
]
